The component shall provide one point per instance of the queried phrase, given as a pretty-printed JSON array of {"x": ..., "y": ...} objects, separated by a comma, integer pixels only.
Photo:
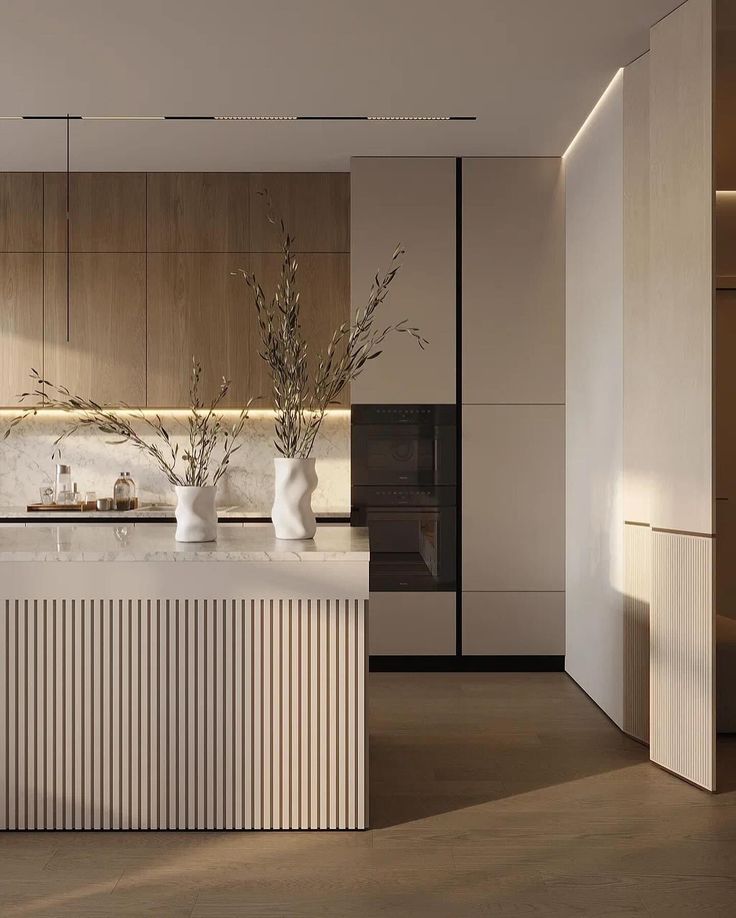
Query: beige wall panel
[
  {"x": 105, "y": 357},
  {"x": 410, "y": 201},
  {"x": 638, "y": 407},
  {"x": 198, "y": 212},
  {"x": 682, "y": 666},
  {"x": 513, "y": 497},
  {"x": 594, "y": 405},
  {"x": 21, "y": 211},
  {"x": 637, "y": 600},
  {"x": 681, "y": 259},
  {"x": 21, "y": 323},
  {"x": 412, "y": 623},
  {"x": 513, "y": 623},
  {"x": 324, "y": 286},
  {"x": 314, "y": 205},
  {"x": 513, "y": 280},
  {"x": 197, "y": 308}
]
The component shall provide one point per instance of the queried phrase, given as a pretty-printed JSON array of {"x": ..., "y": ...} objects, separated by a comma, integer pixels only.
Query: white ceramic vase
[
  {"x": 196, "y": 514},
  {"x": 292, "y": 513}
]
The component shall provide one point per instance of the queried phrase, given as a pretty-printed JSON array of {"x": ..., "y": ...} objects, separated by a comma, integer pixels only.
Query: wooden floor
[{"x": 493, "y": 795}]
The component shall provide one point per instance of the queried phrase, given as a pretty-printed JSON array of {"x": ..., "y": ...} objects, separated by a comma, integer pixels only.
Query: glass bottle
[
  {"x": 63, "y": 484},
  {"x": 121, "y": 493},
  {"x": 133, "y": 491}
]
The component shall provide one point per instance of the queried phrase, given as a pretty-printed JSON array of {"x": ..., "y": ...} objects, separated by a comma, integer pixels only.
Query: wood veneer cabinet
[
  {"x": 21, "y": 321},
  {"x": 21, "y": 212},
  {"x": 104, "y": 357},
  {"x": 151, "y": 256},
  {"x": 107, "y": 212},
  {"x": 196, "y": 308}
]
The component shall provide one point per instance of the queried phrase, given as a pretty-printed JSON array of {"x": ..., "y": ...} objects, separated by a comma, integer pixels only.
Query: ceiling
[{"x": 530, "y": 70}]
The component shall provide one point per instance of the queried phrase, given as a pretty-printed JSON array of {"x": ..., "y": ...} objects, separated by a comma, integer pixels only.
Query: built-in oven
[
  {"x": 403, "y": 445},
  {"x": 404, "y": 490}
]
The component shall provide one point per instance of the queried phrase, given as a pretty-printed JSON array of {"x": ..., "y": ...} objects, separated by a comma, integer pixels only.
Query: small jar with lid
[{"x": 63, "y": 484}]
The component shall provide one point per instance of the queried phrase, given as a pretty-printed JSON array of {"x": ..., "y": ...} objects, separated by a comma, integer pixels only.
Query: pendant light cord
[{"x": 68, "y": 247}]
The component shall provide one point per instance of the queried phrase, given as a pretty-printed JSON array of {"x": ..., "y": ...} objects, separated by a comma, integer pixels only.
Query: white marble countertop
[
  {"x": 146, "y": 512},
  {"x": 89, "y": 542}
]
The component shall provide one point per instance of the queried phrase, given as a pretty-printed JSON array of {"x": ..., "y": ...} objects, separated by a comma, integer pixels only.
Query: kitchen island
[{"x": 150, "y": 684}]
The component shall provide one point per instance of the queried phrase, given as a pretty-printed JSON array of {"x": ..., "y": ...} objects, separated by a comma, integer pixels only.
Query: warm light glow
[
  {"x": 597, "y": 105},
  {"x": 152, "y": 412}
]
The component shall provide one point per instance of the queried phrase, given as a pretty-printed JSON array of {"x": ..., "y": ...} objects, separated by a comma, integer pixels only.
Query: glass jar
[
  {"x": 133, "y": 492},
  {"x": 63, "y": 485},
  {"x": 122, "y": 493}
]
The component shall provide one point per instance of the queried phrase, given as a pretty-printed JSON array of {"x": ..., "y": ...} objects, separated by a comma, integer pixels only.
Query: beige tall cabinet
[{"x": 513, "y": 412}]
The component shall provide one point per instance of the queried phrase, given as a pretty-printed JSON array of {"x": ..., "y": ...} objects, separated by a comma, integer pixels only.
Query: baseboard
[{"x": 498, "y": 663}]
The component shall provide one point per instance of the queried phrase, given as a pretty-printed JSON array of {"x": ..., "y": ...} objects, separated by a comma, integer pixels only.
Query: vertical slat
[
  {"x": 200, "y": 713},
  {"x": 362, "y": 617},
  {"x": 257, "y": 692},
  {"x": 68, "y": 718},
  {"x": 276, "y": 722},
  {"x": 172, "y": 713},
  {"x": 145, "y": 707},
  {"x": 191, "y": 704},
  {"x": 135, "y": 715},
  {"x": 163, "y": 714},
  {"x": 305, "y": 713},
  {"x": 77, "y": 718},
  {"x": 333, "y": 693},
  {"x": 267, "y": 713},
  {"x": 153, "y": 709},
  {"x": 30, "y": 692},
  {"x": 125, "y": 612},
  {"x": 342, "y": 720},
  {"x": 228, "y": 733},
  {"x": 88, "y": 785},
  {"x": 210, "y": 778},
  {"x": 315, "y": 687},
  {"x": 49, "y": 713},
  {"x": 247, "y": 611},
  {"x": 295, "y": 751},
  {"x": 238, "y": 724},
  {"x": 115, "y": 724},
  {"x": 350, "y": 723},
  {"x": 323, "y": 702},
  {"x": 12, "y": 683},
  {"x": 22, "y": 722}
]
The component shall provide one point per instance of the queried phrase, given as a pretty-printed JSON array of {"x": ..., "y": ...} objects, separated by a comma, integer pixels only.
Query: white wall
[{"x": 594, "y": 395}]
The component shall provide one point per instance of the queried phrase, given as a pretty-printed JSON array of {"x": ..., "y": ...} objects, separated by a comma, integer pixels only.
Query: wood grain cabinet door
[
  {"x": 324, "y": 296},
  {"x": 107, "y": 212},
  {"x": 315, "y": 208},
  {"x": 21, "y": 322},
  {"x": 198, "y": 211},
  {"x": 105, "y": 355},
  {"x": 21, "y": 212},
  {"x": 197, "y": 308}
]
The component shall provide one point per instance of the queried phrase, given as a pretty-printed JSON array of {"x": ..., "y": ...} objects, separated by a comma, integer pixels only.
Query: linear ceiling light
[
  {"x": 238, "y": 118},
  {"x": 593, "y": 110}
]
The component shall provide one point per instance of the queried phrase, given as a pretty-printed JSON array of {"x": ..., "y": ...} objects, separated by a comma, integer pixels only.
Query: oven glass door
[
  {"x": 403, "y": 455},
  {"x": 412, "y": 549}
]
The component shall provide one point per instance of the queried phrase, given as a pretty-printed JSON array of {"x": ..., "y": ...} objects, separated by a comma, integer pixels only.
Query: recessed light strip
[
  {"x": 593, "y": 110},
  {"x": 238, "y": 117}
]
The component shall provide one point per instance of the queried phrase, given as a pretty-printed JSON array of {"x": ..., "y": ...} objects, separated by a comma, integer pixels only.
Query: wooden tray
[{"x": 55, "y": 508}]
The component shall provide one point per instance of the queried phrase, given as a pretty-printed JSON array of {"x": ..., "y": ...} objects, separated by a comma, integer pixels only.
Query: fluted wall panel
[
  {"x": 682, "y": 657},
  {"x": 182, "y": 714}
]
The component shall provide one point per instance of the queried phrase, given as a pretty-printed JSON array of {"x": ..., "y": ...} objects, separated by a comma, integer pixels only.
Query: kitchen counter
[
  {"x": 151, "y": 684},
  {"x": 151, "y": 513},
  {"x": 255, "y": 542}
]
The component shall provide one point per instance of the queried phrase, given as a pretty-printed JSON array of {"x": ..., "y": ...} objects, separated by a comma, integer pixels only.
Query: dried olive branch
[
  {"x": 301, "y": 404},
  {"x": 205, "y": 425}
]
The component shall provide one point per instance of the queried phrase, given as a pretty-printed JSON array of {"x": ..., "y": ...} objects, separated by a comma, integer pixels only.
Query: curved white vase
[
  {"x": 196, "y": 515},
  {"x": 292, "y": 513}
]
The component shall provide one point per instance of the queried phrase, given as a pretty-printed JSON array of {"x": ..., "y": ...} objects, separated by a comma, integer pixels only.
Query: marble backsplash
[{"x": 26, "y": 464}]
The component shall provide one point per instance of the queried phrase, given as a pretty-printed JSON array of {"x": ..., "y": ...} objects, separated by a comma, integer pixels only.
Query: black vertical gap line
[
  {"x": 459, "y": 404},
  {"x": 68, "y": 239}
]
